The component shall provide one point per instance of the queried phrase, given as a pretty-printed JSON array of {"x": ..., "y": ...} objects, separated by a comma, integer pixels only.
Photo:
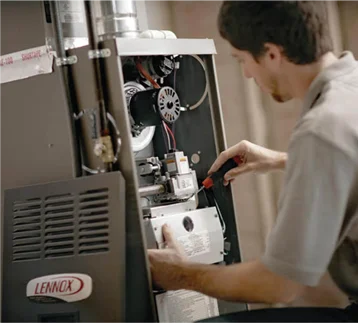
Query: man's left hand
[{"x": 165, "y": 264}]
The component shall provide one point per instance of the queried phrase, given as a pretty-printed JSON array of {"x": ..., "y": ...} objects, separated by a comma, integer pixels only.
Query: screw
[
  {"x": 215, "y": 215},
  {"x": 221, "y": 252},
  {"x": 50, "y": 145},
  {"x": 155, "y": 229}
]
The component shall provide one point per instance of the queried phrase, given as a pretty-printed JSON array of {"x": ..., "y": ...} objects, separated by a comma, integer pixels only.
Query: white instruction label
[
  {"x": 185, "y": 306},
  {"x": 195, "y": 244},
  {"x": 71, "y": 11}
]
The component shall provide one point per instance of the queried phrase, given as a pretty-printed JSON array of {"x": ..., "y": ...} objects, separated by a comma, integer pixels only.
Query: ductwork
[{"x": 116, "y": 18}]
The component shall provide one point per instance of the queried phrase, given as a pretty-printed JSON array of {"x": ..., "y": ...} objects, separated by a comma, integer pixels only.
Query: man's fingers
[
  {"x": 237, "y": 150},
  {"x": 226, "y": 183},
  {"x": 223, "y": 157},
  {"x": 238, "y": 171},
  {"x": 168, "y": 236}
]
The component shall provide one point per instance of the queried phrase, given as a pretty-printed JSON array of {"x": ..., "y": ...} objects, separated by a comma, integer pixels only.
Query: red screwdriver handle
[{"x": 219, "y": 174}]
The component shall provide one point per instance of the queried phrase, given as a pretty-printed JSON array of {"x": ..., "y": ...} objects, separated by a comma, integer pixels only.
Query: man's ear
[{"x": 273, "y": 56}]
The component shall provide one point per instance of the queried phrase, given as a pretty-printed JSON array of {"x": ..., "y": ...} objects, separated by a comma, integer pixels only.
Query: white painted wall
[{"x": 154, "y": 15}]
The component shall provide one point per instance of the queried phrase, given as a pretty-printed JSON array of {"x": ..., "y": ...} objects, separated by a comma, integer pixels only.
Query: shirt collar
[{"x": 345, "y": 64}]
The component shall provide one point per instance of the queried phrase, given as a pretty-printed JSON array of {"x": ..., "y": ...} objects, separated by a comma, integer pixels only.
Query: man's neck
[{"x": 303, "y": 75}]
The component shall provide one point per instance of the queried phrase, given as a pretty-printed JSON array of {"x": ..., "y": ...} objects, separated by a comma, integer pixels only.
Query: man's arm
[{"x": 246, "y": 282}]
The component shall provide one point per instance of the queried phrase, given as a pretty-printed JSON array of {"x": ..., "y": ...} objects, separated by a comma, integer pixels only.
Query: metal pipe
[
  {"x": 57, "y": 28},
  {"x": 93, "y": 44},
  {"x": 116, "y": 18},
  {"x": 66, "y": 80},
  {"x": 91, "y": 29},
  {"x": 151, "y": 190}
]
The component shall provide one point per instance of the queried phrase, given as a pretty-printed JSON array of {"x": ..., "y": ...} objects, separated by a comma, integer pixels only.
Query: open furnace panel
[{"x": 176, "y": 134}]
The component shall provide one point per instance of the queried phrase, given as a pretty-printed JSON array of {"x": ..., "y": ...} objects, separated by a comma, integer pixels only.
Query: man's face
[{"x": 266, "y": 73}]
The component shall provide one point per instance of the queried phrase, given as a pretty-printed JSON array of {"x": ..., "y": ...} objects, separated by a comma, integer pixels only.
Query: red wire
[
  {"x": 146, "y": 75},
  {"x": 172, "y": 135}
]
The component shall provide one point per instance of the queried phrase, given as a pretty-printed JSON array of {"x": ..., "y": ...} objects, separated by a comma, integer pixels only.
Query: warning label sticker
[
  {"x": 26, "y": 63},
  {"x": 195, "y": 243},
  {"x": 185, "y": 306}
]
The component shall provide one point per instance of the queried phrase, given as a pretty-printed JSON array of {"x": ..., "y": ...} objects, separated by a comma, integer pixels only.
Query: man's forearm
[{"x": 248, "y": 282}]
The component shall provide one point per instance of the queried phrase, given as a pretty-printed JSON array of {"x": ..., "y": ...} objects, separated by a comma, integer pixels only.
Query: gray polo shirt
[{"x": 317, "y": 225}]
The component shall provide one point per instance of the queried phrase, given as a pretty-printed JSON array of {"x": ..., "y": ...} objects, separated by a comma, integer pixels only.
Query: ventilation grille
[
  {"x": 93, "y": 222},
  {"x": 59, "y": 211},
  {"x": 61, "y": 225},
  {"x": 27, "y": 230}
]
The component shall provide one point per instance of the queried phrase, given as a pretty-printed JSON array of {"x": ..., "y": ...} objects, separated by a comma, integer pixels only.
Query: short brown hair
[{"x": 299, "y": 27}]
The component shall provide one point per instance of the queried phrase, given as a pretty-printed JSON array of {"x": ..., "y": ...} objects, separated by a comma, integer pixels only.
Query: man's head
[{"x": 268, "y": 37}]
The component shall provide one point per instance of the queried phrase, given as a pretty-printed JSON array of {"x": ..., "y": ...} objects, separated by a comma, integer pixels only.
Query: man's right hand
[{"x": 254, "y": 159}]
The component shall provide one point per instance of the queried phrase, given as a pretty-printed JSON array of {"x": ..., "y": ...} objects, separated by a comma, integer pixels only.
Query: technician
[{"x": 286, "y": 47}]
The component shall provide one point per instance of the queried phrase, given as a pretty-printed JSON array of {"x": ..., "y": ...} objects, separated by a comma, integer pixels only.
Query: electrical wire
[
  {"x": 220, "y": 215},
  {"x": 175, "y": 76},
  {"x": 206, "y": 90},
  {"x": 165, "y": 138},
  {"x": 146, "y": 74},
  {"x": 166, "y": 131},
  {"x": 119, "y": 141},
  {"x": 172, "y": 135},
  {"x": 92, "y": 171}
]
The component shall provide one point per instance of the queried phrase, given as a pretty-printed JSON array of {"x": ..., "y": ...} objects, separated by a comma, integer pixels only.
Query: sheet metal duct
[{"x": 116, "y": 18}]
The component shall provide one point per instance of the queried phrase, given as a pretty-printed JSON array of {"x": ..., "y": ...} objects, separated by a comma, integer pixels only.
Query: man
[{"x": 286, "y": 48}]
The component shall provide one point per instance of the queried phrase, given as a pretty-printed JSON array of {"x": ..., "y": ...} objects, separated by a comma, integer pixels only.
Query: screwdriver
[{"x": 211, "y": 180}]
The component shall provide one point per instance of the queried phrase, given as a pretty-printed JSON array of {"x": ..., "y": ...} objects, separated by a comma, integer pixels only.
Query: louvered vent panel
[
  {"x": 26, "y": 233},
  {"x": 93, "y": 222},
  {"x": 59, "y": 226}
]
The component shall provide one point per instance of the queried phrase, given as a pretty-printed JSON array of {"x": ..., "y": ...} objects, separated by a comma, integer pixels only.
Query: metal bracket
[
  {"x": 99, "y": 53},
  {"x": 60, "y": 61}
]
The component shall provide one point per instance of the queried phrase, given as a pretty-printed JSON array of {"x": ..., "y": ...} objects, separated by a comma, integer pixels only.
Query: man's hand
[
  {"x": 255, "y": 159},
  {"x": 165, "y": 264}
]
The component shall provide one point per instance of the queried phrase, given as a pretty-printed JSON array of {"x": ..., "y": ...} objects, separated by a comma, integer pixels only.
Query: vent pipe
[{"x": 116, "y": 18}]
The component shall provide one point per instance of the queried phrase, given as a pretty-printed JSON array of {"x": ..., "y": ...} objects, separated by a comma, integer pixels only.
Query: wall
[{"x": 154, "y": 15}]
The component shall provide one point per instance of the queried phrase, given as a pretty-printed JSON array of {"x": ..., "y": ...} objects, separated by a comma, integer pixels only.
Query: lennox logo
[{"x": 65, "y": 287}]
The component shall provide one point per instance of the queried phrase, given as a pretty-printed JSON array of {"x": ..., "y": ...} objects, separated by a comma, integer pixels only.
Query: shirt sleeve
[{"x": 318, "y": 181}]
